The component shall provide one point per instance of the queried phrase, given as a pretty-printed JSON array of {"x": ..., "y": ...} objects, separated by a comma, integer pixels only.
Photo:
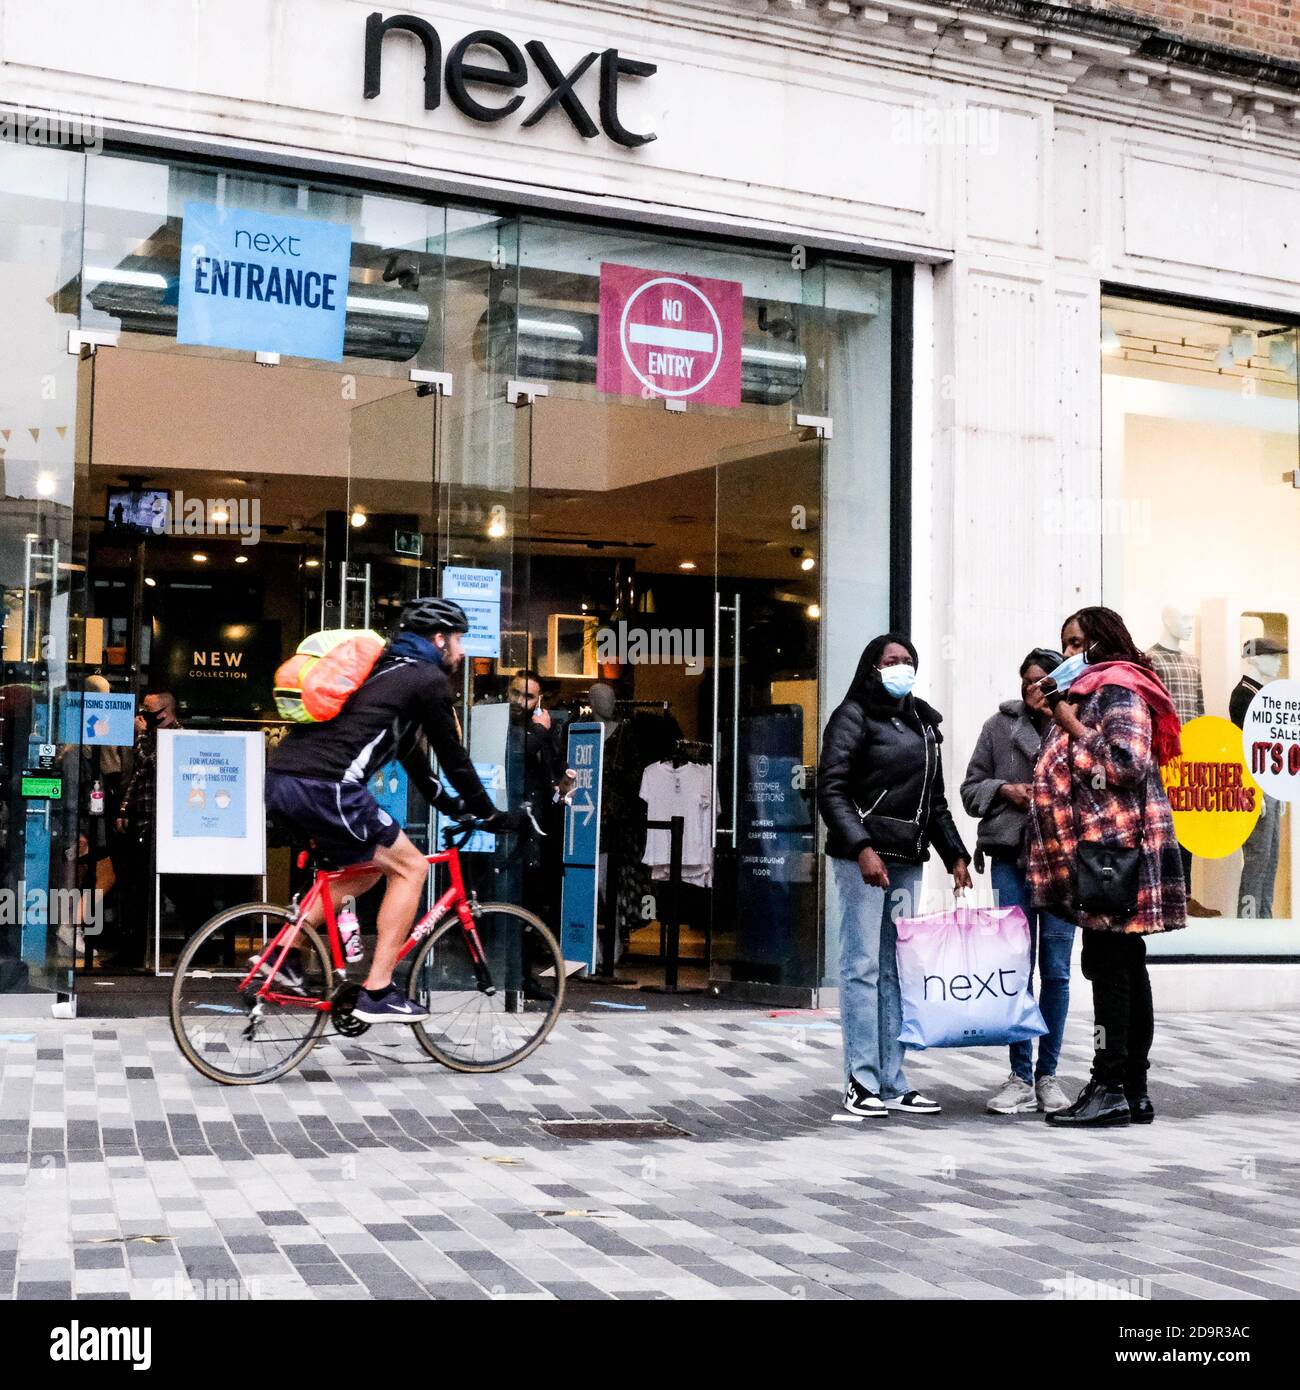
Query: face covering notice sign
[{"x": 264, "y": 283}]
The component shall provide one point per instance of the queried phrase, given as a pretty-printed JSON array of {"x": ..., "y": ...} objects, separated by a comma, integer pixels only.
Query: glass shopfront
[
  {"x": 1201, "y": 532},
  {"x": 179, "y": 513}
]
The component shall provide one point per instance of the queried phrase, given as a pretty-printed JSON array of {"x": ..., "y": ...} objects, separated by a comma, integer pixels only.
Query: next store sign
[{"x": 262, "y": 282}]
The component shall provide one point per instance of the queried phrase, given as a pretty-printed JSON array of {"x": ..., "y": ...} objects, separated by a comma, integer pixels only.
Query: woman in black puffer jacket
[{"x": 880, "y": 792}]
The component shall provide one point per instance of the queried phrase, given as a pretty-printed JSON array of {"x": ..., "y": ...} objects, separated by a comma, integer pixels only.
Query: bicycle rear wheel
[
  {"x": 230, "y": 1035},
  {"x": 469, "y": 1029}
]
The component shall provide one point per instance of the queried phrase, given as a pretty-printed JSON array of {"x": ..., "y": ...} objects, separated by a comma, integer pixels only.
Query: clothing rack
[
  {"x": 663, "y": 706},
  {"x": 692, "y": 750}
]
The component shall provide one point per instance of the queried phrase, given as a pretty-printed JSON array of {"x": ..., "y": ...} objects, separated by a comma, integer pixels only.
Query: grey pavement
[{"x": 373, "y": 1173}]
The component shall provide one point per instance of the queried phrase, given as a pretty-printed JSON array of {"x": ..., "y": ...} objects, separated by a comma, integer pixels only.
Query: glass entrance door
[
  {"x": 673, "y": 589},
  {"x": 768, "y": 625}
]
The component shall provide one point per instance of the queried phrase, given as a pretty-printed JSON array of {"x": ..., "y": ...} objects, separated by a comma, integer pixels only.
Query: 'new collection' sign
[{"x": 262, "y": 282}]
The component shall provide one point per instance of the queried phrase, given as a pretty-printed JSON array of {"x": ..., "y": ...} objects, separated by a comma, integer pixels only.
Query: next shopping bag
[{"x": 964, "y": 976}]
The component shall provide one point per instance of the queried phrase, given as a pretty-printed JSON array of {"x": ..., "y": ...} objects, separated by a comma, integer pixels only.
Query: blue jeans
[
  {"x": 1050, "y": 940},
  {"x": 871, "y": 1005}
]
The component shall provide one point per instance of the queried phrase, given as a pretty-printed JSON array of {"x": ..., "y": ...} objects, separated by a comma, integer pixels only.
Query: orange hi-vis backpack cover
[{"x": 315, "y": 682}]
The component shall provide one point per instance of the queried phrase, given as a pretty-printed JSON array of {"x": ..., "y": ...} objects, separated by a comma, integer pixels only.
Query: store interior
[{"x": 633, "y": 522}]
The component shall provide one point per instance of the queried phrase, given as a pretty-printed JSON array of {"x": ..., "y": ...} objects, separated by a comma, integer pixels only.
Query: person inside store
[
  {"x": 134, "y": 824},
  {"x": 996, "y": 792},
  {"x": 880, "y": 792},
  {"x": 546, "y": 782},
  {"x": 1102, "y": 850}
]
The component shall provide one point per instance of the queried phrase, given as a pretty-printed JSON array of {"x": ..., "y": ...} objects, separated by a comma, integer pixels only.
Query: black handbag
[{"x": 1106, "y": 879}]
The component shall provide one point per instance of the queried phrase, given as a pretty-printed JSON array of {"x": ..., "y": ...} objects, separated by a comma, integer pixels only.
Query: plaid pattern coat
[{"x": 1105, "y": 787}]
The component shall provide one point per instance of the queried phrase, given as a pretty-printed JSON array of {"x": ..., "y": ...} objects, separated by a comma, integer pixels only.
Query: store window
[
  {"x": 715, "y": 562},
  {"x": 1201, "y": 513},
  {"x": 40, "y": 566}
]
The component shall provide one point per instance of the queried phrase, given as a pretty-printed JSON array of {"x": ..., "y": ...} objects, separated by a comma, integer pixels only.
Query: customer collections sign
[
  {"x": 676, "y": 336},
  {"x": 262, "y": 282}
]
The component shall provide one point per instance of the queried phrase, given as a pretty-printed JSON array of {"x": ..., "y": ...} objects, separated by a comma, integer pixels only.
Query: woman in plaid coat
[{"x": 1098, "y": 779}]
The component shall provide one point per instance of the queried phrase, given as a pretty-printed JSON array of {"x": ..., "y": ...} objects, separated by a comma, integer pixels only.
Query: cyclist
[{"x": 317, "y": 779}]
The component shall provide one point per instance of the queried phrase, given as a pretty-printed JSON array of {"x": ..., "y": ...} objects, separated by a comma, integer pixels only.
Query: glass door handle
[{"x": 719, "y": 608}]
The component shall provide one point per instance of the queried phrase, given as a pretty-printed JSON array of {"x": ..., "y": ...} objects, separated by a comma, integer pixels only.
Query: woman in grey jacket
[{"x": 996, "y": 791}]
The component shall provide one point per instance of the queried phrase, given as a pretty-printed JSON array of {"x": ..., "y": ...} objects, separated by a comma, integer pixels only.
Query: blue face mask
[
  {"x": 898, "y": 680},
  {"x": 1068, "y": 671}
]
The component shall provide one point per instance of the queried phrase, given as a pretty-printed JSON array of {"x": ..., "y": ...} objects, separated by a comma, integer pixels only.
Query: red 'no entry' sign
[{"x": 677, "y": 336}]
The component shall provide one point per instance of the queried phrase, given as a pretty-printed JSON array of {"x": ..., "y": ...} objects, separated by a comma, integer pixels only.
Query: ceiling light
[
  {"x": 199, "y": 558},
  {"x": 686, "y": 565},
  {"x": 1243, "y": 347},
  {"x": 241, "y": 559},
  {"x": 220, "y": 515},
  {"x": 117, "y": 275},
  {"x": 45, "y": 484},
  {"x": 358, "y": 517},
  {"x": 1110, "y": 342},
  {"x": 150, "y": 581},
  {"x": 1281, "y": 354},
  {"x": 496, "y": 528},
  {"x": 807, "y": 563},
  {"x": 312, "y": 564},
  {"x": 813, "y": 611}
]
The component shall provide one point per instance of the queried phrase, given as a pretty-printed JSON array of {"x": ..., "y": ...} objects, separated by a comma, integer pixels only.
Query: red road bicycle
[{"x": 491, "y": 976}]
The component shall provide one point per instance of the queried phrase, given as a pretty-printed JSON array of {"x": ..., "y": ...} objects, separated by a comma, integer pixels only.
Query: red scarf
[{"x": 1166, "y": 729}]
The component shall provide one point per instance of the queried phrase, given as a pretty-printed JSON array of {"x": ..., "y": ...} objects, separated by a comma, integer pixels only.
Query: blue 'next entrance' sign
[{"x": 263, "y": 282}]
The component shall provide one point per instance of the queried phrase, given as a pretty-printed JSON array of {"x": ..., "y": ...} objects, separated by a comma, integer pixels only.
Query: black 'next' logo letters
[{"x": 460, "y": 74}]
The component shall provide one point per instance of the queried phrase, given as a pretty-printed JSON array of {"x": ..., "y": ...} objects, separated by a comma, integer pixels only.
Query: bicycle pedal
[{"x": 341, "y": 1016}]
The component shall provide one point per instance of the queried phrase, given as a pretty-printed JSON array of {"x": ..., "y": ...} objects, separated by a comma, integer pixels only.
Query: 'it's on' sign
[{"x": 676, "y": 336}]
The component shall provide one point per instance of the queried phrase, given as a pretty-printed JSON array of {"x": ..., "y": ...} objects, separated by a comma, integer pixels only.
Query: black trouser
[{"x": 1116, "y": 963}]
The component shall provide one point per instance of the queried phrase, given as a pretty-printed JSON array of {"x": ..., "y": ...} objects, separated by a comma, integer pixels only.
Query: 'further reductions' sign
[
  {"x": 1215, "y": 801},
  {"x": 263, "y": 282},
  {"x": 677, "y": 336}
]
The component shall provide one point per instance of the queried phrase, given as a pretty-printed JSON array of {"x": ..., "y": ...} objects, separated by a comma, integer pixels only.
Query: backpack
[{"x": 316, "y": 681}]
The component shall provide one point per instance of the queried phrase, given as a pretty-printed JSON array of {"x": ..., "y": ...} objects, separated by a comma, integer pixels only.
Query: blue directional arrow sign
[{"x": 586, "y": 755}]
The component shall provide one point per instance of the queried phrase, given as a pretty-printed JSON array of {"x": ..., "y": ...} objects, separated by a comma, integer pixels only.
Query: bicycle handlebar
[{"x": 458, "y": 835}]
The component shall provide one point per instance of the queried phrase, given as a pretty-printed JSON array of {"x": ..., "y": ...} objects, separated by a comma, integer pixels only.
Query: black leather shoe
[
  {"x": 1140, "y": 1108},
  {"x": 1098, "y": 1104}
]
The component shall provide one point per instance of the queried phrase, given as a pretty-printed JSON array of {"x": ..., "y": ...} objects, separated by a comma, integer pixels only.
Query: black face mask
[{"x": 154, "y": 716}]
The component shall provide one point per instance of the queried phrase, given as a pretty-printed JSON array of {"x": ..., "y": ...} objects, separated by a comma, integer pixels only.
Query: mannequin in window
[
  {"x": 1180, "y": 672},
  {"x": 1182, "y": 679},
  {"x": 1263, "y": 657}
]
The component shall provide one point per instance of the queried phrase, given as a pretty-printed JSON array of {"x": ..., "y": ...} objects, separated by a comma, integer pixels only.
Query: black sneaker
[
  {"x": 387, "y": 1005},
  {"x": 913, "y": 1103},
  {"x": 863, "y": 1103},
  {"x": 1099, "y": 1103},
  {"x": 290, "y": 978}
]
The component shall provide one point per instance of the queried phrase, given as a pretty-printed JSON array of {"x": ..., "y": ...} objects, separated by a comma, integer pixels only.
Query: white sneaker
[
  {"x": 1014, "y": 1098},
  {"x": 913, "y": 1103},
  {"x": 1050, "y": 1096},
  {"x": 867, "y": 1105}
]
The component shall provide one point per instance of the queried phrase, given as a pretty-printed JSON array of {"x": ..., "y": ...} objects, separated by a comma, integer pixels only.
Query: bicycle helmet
[{"x": 429, "y": 615}]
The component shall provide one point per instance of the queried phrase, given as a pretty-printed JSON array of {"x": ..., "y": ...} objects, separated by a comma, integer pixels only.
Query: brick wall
[{"x": 1260, "y": 26}]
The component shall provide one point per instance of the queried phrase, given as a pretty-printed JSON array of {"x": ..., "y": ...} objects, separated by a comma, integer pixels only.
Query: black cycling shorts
[{"x": 342, "y": 817}]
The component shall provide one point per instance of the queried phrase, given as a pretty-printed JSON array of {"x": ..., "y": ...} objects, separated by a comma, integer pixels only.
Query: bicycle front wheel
[
  {"x": 470, "y": 1028},
  {"x": 233, "y": 1036}
]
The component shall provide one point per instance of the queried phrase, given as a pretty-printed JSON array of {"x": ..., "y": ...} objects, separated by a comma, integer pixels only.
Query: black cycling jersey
[{"x": 402, "y": 703}]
